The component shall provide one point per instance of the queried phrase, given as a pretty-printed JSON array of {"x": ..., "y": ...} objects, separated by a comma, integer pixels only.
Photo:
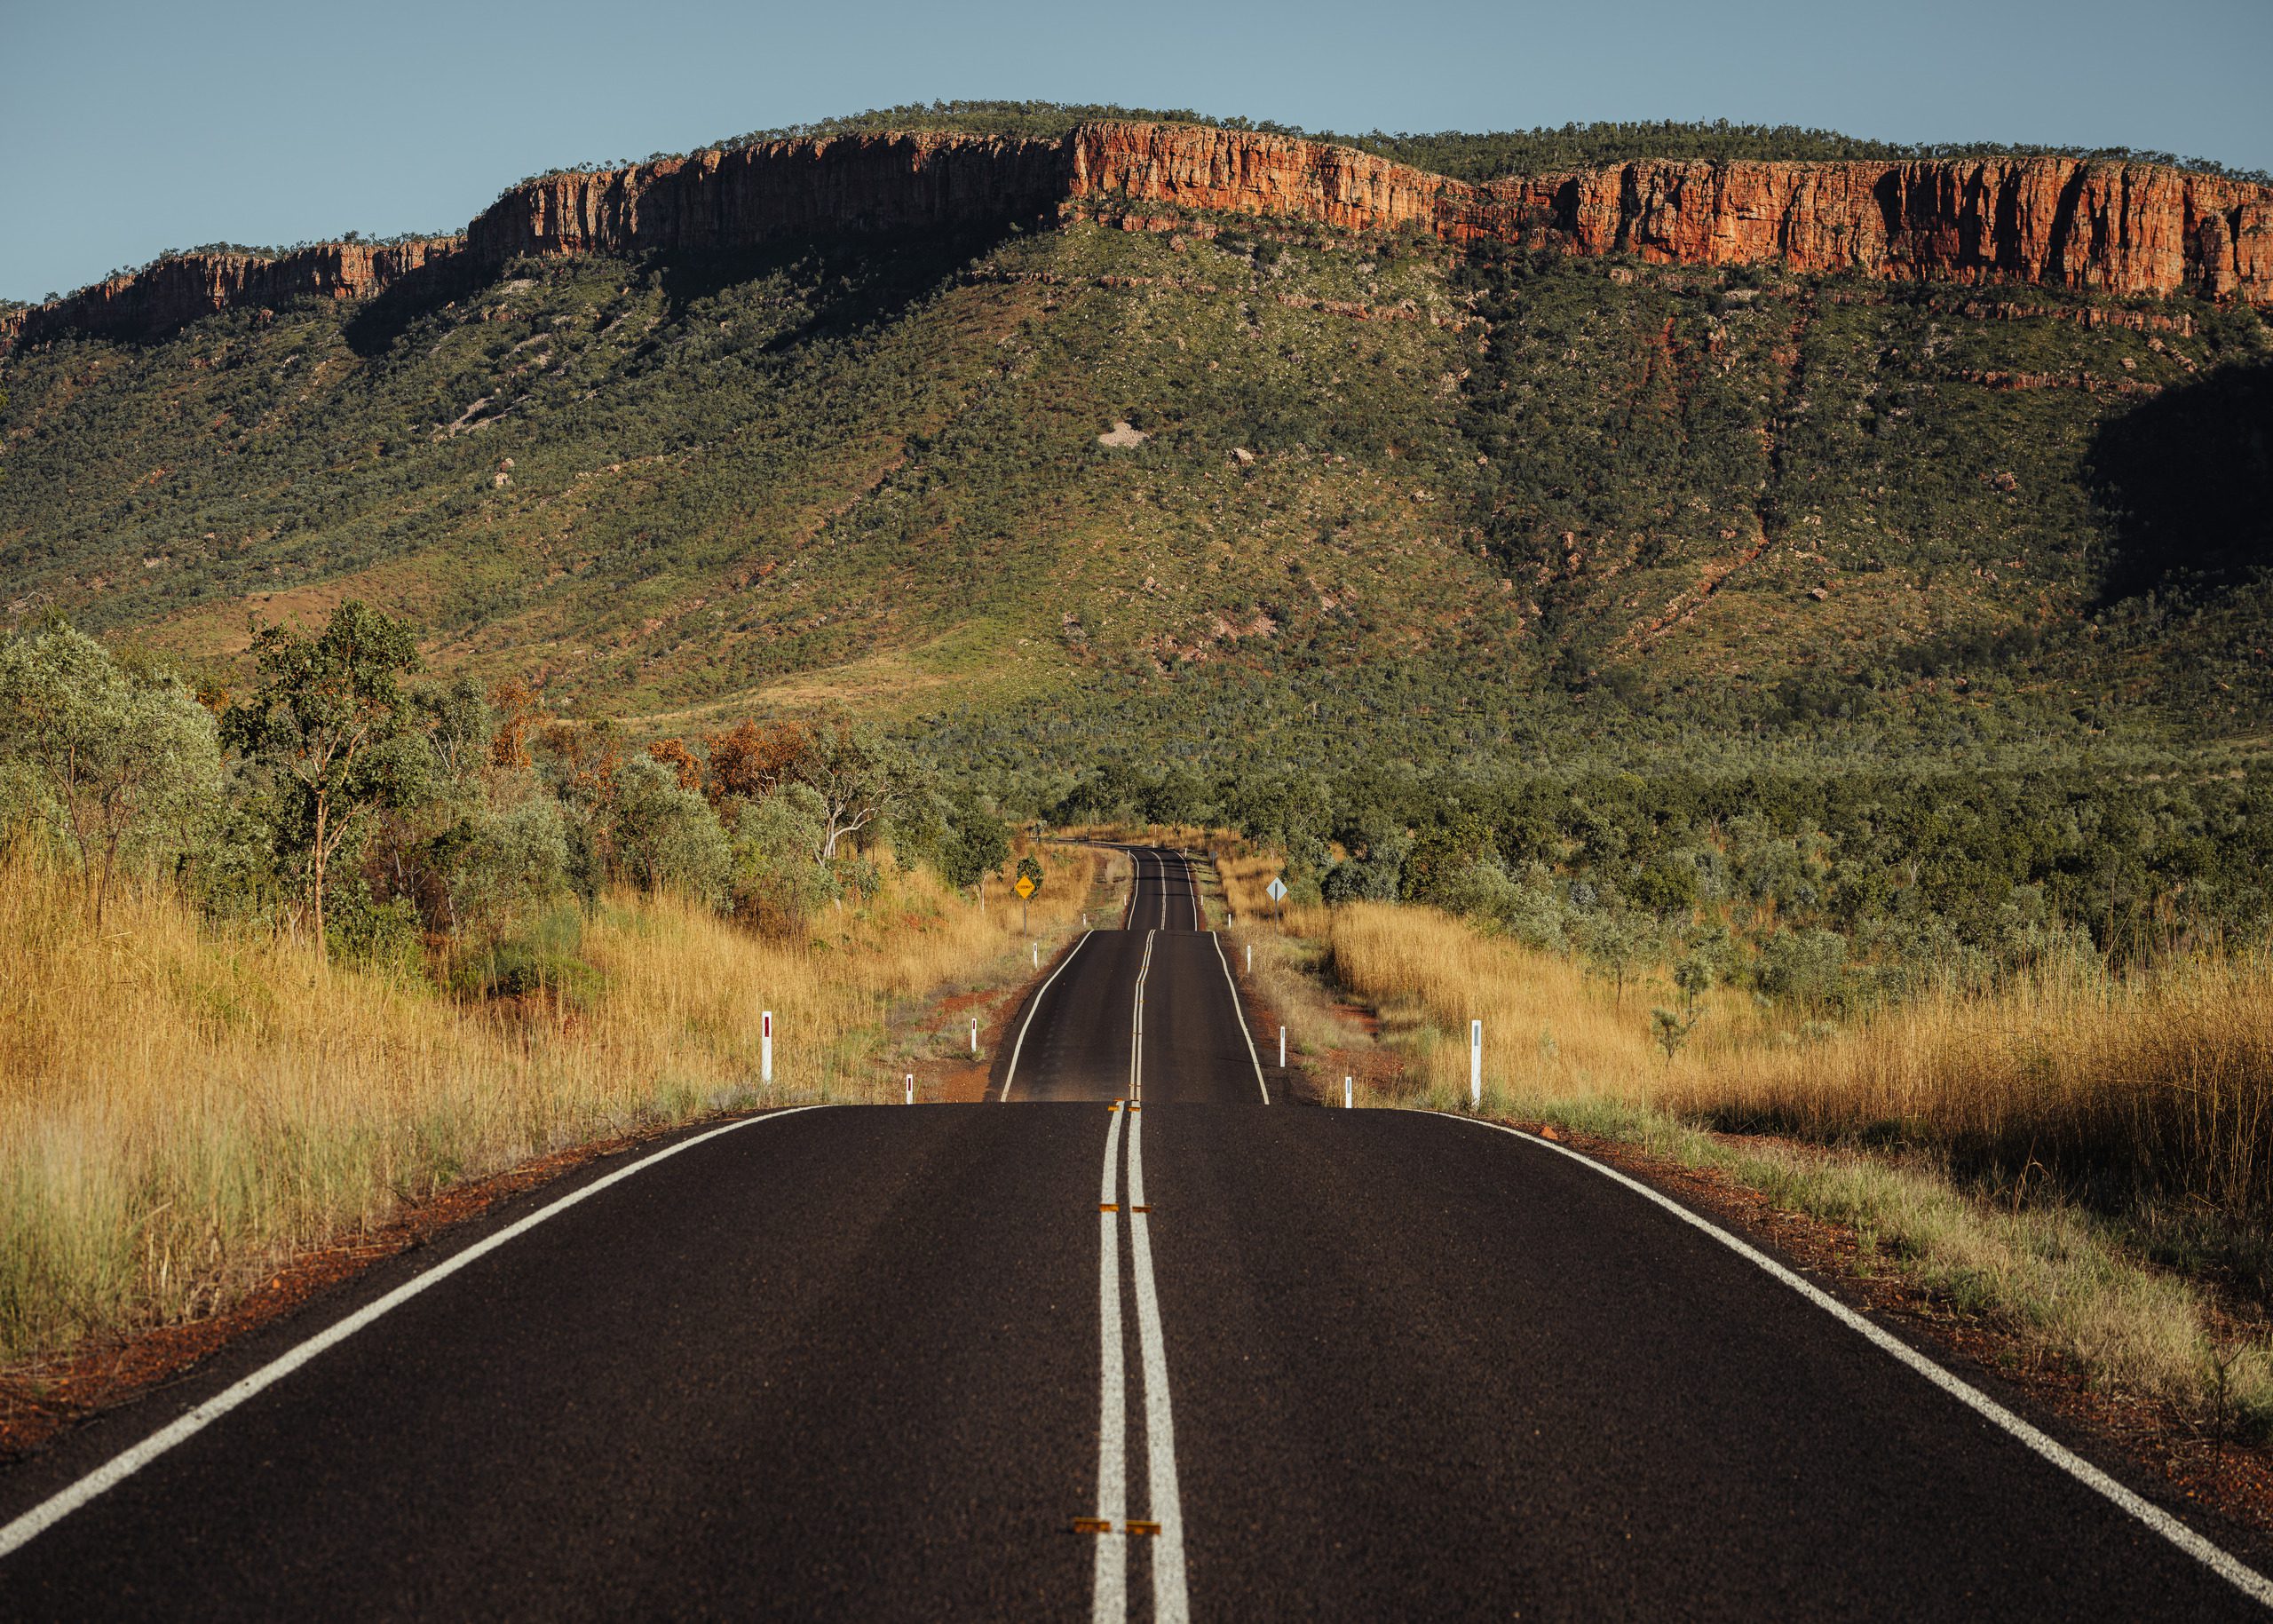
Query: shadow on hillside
[
  {"x": 2188, "y": 479},
  {"x": 858, "y": 280},
  {"x": 861, "y": 280},
  {"x": 375, "y": 323}
]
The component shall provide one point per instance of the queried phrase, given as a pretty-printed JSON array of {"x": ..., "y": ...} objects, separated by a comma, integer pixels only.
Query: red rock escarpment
[
  {"x": 2067, "y": 223},
  {"x": 183, "y": 287},
  {"x": 2070, "y": 223},
  {"x": 731, "y": 199}
]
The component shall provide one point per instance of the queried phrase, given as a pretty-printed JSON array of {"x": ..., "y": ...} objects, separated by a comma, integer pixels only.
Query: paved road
[
  {"x": 1148, "y": 1011},
  {"x": 1194, "y": 1358}
]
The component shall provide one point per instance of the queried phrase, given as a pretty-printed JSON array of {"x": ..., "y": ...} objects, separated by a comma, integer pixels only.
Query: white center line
[
  {"x": 1111, "y": 1588},
  {"x": 1136, "y": 1026},
  {"x": 1169, "y": 1602}
]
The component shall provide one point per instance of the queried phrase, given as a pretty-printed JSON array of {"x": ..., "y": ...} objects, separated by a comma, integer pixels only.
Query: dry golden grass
[
  {"x": 2134, "y": 1090},
  {"x": 2155, "y": 1088},
  {"x": 181, "y": 1103}
]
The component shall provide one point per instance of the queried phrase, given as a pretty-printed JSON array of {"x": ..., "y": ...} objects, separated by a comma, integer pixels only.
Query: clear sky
[{"x": 146, "y": 124}]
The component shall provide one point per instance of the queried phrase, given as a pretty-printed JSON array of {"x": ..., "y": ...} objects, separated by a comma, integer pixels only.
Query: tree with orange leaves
[
  {"x": 673, "y": 754},
  {"x": 516, "y": 705},
  {"x": 752, "y": 762}
]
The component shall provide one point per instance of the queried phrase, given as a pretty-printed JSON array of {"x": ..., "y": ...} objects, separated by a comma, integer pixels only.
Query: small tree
[
  {"x": 120, "y": 761},
  {"x": 856, "y": 778},
  {"x": 750, "y": 762},
  {"x": 325, "y": 720},
  {"x": 516, "y": 706},
  {"x": 1670, "y": 1030}
]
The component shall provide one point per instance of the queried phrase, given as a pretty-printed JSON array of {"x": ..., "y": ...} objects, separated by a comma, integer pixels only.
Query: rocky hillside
[
  {"x": 2067, "y": 223},
  {"x": 1269, "y": 441}
]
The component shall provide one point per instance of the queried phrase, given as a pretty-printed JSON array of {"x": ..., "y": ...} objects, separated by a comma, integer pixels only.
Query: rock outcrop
[
  {"x": 180, "y": 287},
  {"x": 2073, "y": 224},
  {"x": 733, "y": 198},
  {"x": 2070, "y": 223}
]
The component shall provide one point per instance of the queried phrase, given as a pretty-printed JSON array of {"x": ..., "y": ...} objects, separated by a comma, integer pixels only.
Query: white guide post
[
  {"x": 1282, "y": 1046},
  {"x": 974, "y": 1037},
  {"x": 1037, "y": 955},
  {"x": 766, "y": 1047},
  {"x": 1250, "y": 958},
  {"x": 1349, "y": 1094},
  {"x": 1476, "y": 1065},
  {"x": 911, "y": 1088}
]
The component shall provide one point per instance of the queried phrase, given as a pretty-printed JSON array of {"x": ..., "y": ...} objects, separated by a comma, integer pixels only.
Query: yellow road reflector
[
  {"x": 1146, "y": 1207},
  {"x": 1092, "y": 1525},
  {"x": 1136, "y": 1527},
  {"x": 1108, "y": 1205}
]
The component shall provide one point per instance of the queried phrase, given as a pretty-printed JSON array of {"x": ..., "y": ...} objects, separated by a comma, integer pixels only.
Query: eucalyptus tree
[{"x": 329, "y": 720}]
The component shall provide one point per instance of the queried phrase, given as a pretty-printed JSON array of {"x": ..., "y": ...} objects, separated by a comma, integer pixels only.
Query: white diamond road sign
[{"x": 1277, "y": 889}]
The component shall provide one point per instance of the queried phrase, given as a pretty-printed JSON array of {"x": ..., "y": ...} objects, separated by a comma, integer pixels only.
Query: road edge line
[
  {"x": 1239, "y": 1009},
  {"x": 28, "y": 1526},
  {"x": 1019, "y": 1047},
  {"x": 2229, "y": 1567}
]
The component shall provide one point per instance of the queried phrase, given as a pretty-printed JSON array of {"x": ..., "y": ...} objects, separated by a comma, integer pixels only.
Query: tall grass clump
[
  {"x": 2008, "y": 1150},
  {"x": 184, "y": 1102}
]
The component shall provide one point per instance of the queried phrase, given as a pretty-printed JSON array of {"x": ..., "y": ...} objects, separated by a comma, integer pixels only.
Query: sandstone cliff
[
  {"x": 2074, "y": 224},
  {"x": 183, "y": 287}
]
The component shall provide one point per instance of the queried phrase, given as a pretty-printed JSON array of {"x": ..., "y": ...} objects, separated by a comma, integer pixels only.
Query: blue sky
[{"x": 138, "y": 126}]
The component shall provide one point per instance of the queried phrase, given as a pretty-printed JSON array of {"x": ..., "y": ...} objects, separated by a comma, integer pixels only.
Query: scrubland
[
  {"x": 184, "y": 1104},
  {"x": 2083, "y": 1156}
]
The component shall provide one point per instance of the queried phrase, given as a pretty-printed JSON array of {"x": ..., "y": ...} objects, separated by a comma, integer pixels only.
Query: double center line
[
  {"x": 1163, "y": 1528},
  {"x": 1136, "y": 1024}
]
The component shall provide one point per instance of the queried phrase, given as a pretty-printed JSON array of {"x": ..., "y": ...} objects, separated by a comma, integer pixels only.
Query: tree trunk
[{"x": 324, "y": 944}]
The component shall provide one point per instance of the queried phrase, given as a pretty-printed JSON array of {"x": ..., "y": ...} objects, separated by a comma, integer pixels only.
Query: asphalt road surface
[{"x": 1154, "y": 1351}]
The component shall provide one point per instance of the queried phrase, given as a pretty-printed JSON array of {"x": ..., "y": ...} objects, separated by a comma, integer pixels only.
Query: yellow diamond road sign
[{"x": 1025, "y": 885}]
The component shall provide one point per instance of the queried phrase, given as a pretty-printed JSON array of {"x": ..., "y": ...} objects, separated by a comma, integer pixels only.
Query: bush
[
  {"x": 775, "y": 875},
  {"x": 667, "y": 837}
]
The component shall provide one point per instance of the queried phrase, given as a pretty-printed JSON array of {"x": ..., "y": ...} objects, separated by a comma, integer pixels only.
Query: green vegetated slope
[{"x": 1449, "y": 503}]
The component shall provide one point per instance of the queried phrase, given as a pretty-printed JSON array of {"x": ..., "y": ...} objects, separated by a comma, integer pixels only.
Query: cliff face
[
  {"x": 183, "y": 287},
  {"x": 2121, "y": 228},
  {"x": 2124, "y": 228},
  {"x": 731, "y": 198}
]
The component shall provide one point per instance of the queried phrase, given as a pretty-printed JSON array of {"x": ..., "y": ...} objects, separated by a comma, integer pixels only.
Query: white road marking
[
  {"x": 1170, "y": 1605},
  {"x": 1136, "y": 1024},
  {"x": 1019, "y": 1047},
  {"x": 1136, "y": 885},
  {"x": 1241, "y": 1013},
  {"x": 1109, "y": 1591},
  {"x": 120, "y": 1467},
  {"x": 2243, "y": 1578}
]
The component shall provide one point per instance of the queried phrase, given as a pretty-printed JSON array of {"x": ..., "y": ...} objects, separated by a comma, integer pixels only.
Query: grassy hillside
[{"x": 1452, "y": 504}]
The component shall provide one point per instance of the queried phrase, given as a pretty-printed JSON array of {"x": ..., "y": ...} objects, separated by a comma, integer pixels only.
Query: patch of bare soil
[{"x": 2200, "y": 1462}]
